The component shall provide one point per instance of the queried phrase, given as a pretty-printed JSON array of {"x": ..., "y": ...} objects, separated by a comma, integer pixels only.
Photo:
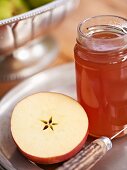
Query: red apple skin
[{"x": 57, "y": 159}]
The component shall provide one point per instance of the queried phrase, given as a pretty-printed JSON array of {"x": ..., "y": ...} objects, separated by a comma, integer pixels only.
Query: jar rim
[{"x": 84, "y": 36}]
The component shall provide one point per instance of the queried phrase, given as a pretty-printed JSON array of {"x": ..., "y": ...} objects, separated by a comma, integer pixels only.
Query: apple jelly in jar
[{"x": 101, "y": 73}]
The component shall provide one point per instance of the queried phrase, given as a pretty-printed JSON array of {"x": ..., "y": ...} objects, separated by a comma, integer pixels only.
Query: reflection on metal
[{"x": 28, "y": 60}]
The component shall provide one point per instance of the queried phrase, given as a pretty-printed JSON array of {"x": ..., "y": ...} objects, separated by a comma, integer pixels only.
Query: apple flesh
[{"x": 49, "y": 127}]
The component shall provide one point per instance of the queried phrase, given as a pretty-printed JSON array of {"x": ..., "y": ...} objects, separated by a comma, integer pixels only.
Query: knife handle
[{"x": 88, "y": 156}]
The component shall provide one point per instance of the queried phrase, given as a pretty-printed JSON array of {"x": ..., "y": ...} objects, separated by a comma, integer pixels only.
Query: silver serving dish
[
  {"x": 62, "y": 80},
  {"x": 20, "y": 30}
]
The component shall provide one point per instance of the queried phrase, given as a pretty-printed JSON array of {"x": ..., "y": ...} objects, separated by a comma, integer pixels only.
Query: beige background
[{"x": 66, "y": 33}]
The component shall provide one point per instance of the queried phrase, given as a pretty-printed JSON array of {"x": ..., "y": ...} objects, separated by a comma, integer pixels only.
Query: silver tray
[{"x": 60, "y": 79}]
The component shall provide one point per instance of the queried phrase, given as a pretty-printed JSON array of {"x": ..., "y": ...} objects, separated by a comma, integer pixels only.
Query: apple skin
[
  {"x": 57, "y": 159},
  {"x": 38, "y": 3}
]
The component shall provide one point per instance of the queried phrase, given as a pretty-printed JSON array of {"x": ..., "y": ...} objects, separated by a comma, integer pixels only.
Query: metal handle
[{"x": 88, "y": 156}]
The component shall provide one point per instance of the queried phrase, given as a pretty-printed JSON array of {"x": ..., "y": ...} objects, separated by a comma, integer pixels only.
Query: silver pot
[{"x": 17, "y": 34}]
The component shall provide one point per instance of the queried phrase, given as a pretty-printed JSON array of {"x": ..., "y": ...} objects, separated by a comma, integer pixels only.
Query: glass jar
[{"x": 101, "y": 73}]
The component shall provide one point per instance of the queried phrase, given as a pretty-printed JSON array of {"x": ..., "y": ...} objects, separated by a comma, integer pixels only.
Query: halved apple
[{"x": 49, "y": 127}]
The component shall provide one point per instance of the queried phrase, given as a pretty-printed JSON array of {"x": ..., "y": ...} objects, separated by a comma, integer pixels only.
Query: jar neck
[
  {"x": 100, "y": 42},
  {"x": 103, "y": 33},
  {"x": 103, "y": 57}
]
